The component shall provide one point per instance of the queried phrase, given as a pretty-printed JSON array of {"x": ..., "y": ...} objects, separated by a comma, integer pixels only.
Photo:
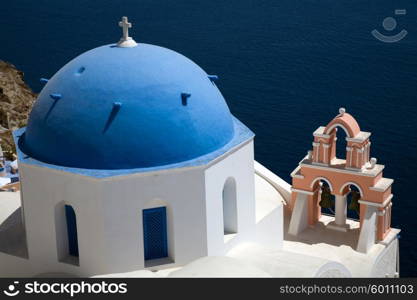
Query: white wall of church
[
  {"x": 109, "y": 214},
  {"x": 109, "y": 218},
  {"x": 239, "y": 166},
  {"x": 181, "y": 191},
  {"x": 44, "y": 192}
]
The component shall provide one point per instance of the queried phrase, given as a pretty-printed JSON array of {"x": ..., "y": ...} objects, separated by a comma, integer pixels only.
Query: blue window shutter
[{"x": 155, "y": 233}]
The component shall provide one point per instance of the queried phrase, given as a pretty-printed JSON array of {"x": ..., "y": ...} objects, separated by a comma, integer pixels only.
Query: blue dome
[{"x": 125, "y": 108}]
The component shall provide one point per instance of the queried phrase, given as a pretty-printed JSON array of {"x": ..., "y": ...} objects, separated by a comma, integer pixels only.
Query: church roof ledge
[{"x": 241, "y": 136}]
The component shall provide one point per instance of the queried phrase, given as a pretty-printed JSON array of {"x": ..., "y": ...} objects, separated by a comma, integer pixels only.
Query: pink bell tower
[{"x": 357, "y": 169}]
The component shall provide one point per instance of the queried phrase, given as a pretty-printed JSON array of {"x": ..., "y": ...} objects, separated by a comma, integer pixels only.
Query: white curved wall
[{"x": 386, "y": 263}]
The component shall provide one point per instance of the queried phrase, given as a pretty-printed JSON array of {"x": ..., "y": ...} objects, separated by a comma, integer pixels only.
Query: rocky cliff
[{"x": 16, "y": 100}]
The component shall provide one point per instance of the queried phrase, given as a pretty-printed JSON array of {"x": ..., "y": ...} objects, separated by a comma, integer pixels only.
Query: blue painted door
[
  {"x": 155, "y": 233},
  {"x": 71, "y": 230}
]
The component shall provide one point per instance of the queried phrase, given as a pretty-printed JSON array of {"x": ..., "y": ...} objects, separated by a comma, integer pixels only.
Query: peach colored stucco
[
  {"x": 341, "y": 174},
  {"x": 338, "y": 182},
  {"x": 347, "y": 122}
]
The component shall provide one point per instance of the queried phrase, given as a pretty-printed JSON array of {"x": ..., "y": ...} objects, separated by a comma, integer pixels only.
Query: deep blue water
[{"x": 286, "y": 66}]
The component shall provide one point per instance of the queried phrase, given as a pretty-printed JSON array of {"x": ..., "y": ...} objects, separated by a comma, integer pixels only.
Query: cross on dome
[
  {"x": 126, "y": 41},
  {"x": 125, "y": 25}
]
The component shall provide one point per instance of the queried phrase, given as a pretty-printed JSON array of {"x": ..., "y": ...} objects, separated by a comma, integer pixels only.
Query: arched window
[
  {"x": 353, "y": 207},
  {"x": 342, "y": 126},
  {"x": 229, "y": 207},
  {"x": 327, "y": 199},
  {"x": 71, "y": 230},
  {"x": 66, "y": 233},
  {"x": 353, "y": 194},
  {"x": 340, "y": 144}
]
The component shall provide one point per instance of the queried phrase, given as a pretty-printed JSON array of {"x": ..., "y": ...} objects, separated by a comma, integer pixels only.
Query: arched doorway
[
  {"x": 230, "y": 224},
  {"x": 66, "y": 233},
  {"x": 72, "y": 233}
]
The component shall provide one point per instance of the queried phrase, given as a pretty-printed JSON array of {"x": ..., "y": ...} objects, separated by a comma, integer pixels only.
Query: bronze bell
[
  {"x": 326, "y": 197},
  {"x": 354, "y": 203}
]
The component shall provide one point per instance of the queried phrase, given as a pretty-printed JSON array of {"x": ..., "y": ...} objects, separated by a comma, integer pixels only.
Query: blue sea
[{"x": 285, "y": 68}]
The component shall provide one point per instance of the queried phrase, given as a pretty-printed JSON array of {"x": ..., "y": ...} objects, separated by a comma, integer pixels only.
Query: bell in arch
[
  {"x": 354, "y": 203},
  {"x": 326, "y": 197}
]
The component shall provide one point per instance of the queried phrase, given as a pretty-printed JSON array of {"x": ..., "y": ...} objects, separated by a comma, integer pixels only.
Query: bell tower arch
[{"x": 357, "y": 143}]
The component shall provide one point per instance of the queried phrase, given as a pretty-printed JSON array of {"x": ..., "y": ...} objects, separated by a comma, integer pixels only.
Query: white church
[{"x": 132, "y": 165}]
